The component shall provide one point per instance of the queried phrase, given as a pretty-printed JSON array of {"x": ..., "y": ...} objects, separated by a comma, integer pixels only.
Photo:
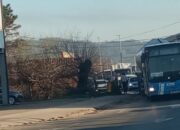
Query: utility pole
[
  {"x": 3, "y": 65},
  {"x": 120, "y": 49},
  {"x": 135, "y": 65},
  {"x": 100, "y": 56}
]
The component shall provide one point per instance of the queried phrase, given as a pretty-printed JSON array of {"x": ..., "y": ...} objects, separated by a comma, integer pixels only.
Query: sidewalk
[{"x": 34, "y": 113}]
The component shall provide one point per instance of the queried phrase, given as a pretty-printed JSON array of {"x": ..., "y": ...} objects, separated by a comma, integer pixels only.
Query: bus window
[{"x": 169, "y": 50}]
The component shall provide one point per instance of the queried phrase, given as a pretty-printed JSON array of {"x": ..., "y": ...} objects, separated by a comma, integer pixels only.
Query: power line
[
  {"x": 152, "y": 30},
  {"x": 103, "y": 46}
]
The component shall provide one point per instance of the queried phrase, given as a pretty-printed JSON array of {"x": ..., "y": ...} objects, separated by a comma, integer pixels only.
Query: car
[
  {"x": 133, "y": 82},
  {"x": 96, "y": 87},
  {"x": 15, "y": 97},
  {"x": 101, "y": 85}
]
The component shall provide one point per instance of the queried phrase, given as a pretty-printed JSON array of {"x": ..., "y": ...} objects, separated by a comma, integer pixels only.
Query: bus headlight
[
  {"x": 151, "y": 89},
  {"x": 130, "y": 84}
]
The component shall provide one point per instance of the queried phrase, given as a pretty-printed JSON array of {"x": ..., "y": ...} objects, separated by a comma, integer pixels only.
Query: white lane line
[
  {"x": 174, "y": 105},
  {"x": 148, "y": 108},
  {"x": 163, "y": 120}
]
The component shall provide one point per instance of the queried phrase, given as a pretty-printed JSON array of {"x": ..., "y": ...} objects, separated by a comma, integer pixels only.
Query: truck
[{"x": 159, "y": 63}]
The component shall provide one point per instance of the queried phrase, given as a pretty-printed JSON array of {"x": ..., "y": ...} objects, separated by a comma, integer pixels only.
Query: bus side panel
[{"x": 165, "y": 88}]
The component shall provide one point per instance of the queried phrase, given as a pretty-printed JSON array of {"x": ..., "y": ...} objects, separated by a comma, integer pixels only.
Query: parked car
[
  {"x": 133, "y": 82},
  {"x": 15, "y": 97}
]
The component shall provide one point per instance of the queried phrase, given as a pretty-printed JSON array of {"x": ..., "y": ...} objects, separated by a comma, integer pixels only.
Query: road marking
[
  {"x": 163, "y": 120},
  {"x": 175, "y": 105},
  {"x": 57, "y": 129},
  {"x": 52, "y": 129},
  {"x": 148, "y": 108}
]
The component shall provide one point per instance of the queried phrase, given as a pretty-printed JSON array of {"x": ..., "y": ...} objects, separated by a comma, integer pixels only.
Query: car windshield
[
  {"x": 100, "y": 82},
  {"x": 133, "y": 79}
]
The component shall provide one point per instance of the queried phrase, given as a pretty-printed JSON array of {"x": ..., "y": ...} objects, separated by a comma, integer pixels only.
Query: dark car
[{"x": 15, "y": 97}]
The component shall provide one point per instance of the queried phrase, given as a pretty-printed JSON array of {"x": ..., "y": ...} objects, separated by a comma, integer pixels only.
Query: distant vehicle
[
  {"x": 15, "y": 97},
  {"x": 101, "y": 85},
  {"x": 108, "y": 74},
  {"x": 159, "y": 64},
  {"x": 130, "y": 76},
  {"x": 133, "y": 82},
  {"x": 95, "y": 87},
  {"x": 121, "y": 71}
]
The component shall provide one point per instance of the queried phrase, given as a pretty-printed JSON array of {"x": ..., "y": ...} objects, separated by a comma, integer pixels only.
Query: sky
[{"x": 97, "y": 19}]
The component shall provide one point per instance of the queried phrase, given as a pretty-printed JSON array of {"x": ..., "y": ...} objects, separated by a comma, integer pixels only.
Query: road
[{"x": 136, "y": 113}]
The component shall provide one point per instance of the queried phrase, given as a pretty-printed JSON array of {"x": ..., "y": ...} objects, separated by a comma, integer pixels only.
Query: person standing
[{"x": 124, "y": 83}]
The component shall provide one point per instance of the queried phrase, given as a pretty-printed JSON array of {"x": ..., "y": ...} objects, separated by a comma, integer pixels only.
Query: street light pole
[{"x": 3, "y": 65}]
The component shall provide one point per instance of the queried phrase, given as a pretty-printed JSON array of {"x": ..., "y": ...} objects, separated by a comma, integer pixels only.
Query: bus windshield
[{"x": 165, "y": 63}]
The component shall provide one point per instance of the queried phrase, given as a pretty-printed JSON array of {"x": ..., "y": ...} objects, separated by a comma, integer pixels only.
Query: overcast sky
[{"x": 102, "y": 18}]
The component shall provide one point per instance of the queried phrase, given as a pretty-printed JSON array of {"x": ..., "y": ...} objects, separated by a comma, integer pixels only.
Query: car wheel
[{"x": 12, "y": 100}]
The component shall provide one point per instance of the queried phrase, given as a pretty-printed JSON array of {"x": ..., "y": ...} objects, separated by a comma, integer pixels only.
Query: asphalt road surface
[{"x": 135, "y": 113}]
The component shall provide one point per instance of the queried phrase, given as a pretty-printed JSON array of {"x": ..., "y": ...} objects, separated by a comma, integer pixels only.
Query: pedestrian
[
  {"x": 116, "y": 85},
  {"x": 124, "y": 83}
]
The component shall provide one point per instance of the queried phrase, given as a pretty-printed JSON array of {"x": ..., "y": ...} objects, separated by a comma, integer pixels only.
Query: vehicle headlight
[
  {"x": 130, "y": 84},
  {"x": 151, "y": 89}
]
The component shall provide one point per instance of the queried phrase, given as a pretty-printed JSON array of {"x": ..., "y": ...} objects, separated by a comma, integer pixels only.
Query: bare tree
[
  {"x": 85, "y": 53},
  {"x": 54, "y": 69},
  {"x": 44, "y": 75}
]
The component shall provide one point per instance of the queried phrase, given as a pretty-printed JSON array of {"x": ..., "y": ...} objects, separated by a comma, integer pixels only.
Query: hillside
[
  {"x": 110, "y": 50},
  {"x": 129, "y": 50}
]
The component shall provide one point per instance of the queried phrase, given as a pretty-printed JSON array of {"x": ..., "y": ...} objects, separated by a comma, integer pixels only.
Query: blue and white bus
[{"x": 160, "y": 65}]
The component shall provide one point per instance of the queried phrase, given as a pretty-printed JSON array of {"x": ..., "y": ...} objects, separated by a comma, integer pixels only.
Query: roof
[
  {"x": 121, "y": 66},
  {"x": 107, "y": 70},
  {"x": 153, "y": 42},
  {"x": 131, "y": 75},
  {"x": 160, "y": 44},
  {"x": 100, "y": 80},
  {"x": 174, "y": 38},
  {"x": 156, "y": 41},
  {"x": 66, "y": 54}
]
